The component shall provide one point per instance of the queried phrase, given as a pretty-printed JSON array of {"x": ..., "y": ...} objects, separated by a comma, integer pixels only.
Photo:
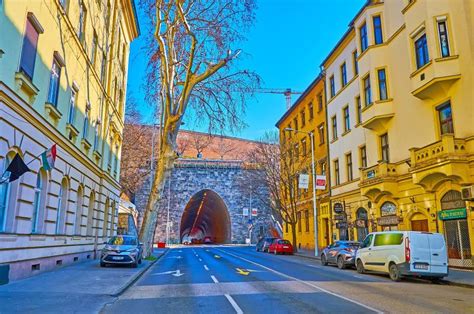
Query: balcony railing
[
  {"x": 383, "y": 171},
  {"x": 448, "y": 148}
]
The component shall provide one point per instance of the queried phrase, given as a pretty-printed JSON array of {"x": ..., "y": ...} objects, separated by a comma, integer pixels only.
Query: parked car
[
  {"x": 404, "y": 253},
  {"x": 341, "y": 253},
  {"x": 186, "y": 240},
  {"x": 280, "y": 246},
  {"x": 265, "y": 244},
  {"x": 208, "y": 240},
  {"x": 122, "y": 249}
]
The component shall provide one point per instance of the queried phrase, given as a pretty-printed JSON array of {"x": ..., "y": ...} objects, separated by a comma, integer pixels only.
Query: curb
[
  {"x": 307, "y": 256},
  {"x": 136, "y": 276}
]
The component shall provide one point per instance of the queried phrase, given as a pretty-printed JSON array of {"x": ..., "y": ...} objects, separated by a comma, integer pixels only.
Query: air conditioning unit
[{"x": 467, "y": 192}]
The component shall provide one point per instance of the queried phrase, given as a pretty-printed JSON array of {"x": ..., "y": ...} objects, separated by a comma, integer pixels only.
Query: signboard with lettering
[
  {"x": 341, "y": 225},
  {"x": 303, "y": 181},
  {"x": 459, "y": 213},
  {"x": 245, "y": 212},
  {"x": 388, "y": 221},
  {"x": 320, "y": 182},
  {"x": 254, "y": 212},
  {"x": 339, "y": 217},
  {"x": 338, "y": 208}
]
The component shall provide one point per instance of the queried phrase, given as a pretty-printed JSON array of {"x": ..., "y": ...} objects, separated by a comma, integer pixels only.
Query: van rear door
[
  {"x": 439, "y": 255},
  {"x": 420, "y": 259}
]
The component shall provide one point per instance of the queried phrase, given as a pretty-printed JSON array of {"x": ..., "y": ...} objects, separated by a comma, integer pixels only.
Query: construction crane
[{"x": 287, "y": 92}]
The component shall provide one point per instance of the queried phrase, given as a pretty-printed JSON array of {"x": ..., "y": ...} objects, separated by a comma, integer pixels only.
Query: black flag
[{"x": 17, "y": 167}]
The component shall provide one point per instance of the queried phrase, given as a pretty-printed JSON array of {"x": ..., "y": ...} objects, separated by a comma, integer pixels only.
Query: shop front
[
  {"x": 362, "y": 223},
  {"x": 388, "y": 220}
]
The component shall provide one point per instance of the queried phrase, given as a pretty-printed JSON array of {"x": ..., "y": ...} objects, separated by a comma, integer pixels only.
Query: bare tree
[
  {"x": 191, "y": 69},
  {"x": 281, "y": 162},
  {"x": 183, "y": 143},
  {"x": 199, "y": 142},
  {"x": 222, "y": 146}
]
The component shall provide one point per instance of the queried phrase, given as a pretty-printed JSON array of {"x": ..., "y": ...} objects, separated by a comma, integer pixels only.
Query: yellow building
[
  {"x": 399, "y": 86},
  {"x": 307, "y": 115},
  {"x": 63, "y": 73}
]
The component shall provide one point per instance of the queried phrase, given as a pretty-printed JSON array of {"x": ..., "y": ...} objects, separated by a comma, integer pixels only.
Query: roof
[{"x": 299, "y": 100}]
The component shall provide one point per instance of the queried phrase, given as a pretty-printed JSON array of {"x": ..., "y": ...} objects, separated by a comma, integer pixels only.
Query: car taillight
[{"x": 407, "y": 250}]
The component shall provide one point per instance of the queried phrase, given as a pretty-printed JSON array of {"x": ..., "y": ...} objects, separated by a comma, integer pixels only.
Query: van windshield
[{"x": 388, "y": 239}]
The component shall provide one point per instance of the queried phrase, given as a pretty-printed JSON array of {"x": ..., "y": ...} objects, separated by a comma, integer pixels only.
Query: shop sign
[
  {"x": 388, "y": 209},
  {"x": 459, "y": 213},
  {"x": 254, "y": 212},
  {"x": 388, "y": 221},
  {"x": 360, "y": 223},
  {"x": 341, "y": 225},
  {"x": 338, "y": 208},
  {"x": 339, "y": 217}
]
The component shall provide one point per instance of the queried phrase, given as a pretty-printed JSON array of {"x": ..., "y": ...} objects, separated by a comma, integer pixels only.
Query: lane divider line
[
  {"x": 234, "y": 304},
  {"x": 206, "y": 268},
  {"x": 200, "y": 260},
  {"x": 304, "y": 282},
  {"x": 214, "y": 279}
]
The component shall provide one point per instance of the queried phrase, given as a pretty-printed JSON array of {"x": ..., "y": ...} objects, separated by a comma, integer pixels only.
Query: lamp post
[{"x": 315, "y": 214}]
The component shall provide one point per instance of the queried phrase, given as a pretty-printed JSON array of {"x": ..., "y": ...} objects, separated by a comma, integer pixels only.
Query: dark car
[
  {"x": 208, "y": 240},
  {"x": 121, "y": 249},
  {"x": 264, "y": 243},
  {"x": 341, "y": 253}
]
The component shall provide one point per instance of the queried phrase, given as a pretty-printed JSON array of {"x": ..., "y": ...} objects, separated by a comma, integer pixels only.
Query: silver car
[
  {"x": 341, "y": 253},
  {"x": 121, "y": 249}
]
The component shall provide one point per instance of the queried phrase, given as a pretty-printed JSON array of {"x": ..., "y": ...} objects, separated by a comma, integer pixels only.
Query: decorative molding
[
  {"x": 25, "y": 84},
  {"x": 53, "y": 111}
]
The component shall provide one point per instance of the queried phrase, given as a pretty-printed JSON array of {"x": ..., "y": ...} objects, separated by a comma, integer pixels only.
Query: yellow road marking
[{"x": 242, "y": 272}]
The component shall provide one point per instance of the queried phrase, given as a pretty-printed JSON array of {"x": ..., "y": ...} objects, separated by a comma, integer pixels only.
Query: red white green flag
[{"x": 48, "y": 158}]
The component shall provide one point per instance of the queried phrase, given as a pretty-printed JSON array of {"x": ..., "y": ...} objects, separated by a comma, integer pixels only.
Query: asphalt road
[{"x": 225, "y": 279}]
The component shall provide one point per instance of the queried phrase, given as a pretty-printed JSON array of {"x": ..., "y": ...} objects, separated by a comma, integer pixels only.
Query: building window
[
  {"x": 343, "y": 74},
  {"x": 4, "y": 196},
  {"x": 94, "y": 48},
  {"x": 306, "y": 218},
  {"x": 347, "y": 123},
  {"x": 72, "y": 106},
  {"x": 102, "y": 68},
  {"x": 320, "y": 102},
  {"x": 363, "y": 157},
  {"x": 303, "y": 147},
  {"x": 311, "y": 111},
  {"x": 289, "y": 132},
  {"x": 295, "y": 121},
  {"x": 85, "y": 128},
  {"x": 358, "y": 109},
  {"x": 54, "y": 78},
  {"x": 30, "y": 44},
  {"x": 62, "y": 207},
  {"x": 350, "y": 175},
  {"x": 38, "y": 202},
  {"x": 384, "y": 147},
  {"x": 81, "y": 28},
  {"x": 303, "y": 118},
  {"x": 96, "y": 137},
  {"x": 297, "y": 151},
  {"x": 445, "y": 119},
  {"x": 334, "y": 128},
  {"x": 321, "y": 133},
  {"x": 377, "y": 29},
  {"x": 337, "y": 179},
  {"x": 332, "y": 86},
  {"x": 364, "y": 43},
  {"x": 382, "y": 84},
  {"x": 421, "y": 51},
  {"x": 298, "y": 216},
  {"x": 79, "y": 202},
  {"x": 367, "y": 91},
  {"x": 323, "y": 169},
  {"x": 355, "y": 63},
  {"x": 443, "y": 38}
]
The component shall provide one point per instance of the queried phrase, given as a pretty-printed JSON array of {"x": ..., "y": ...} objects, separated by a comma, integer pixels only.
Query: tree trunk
[
  {"x": 293, "y": 234},
  {"x": 164, "y": 166}
]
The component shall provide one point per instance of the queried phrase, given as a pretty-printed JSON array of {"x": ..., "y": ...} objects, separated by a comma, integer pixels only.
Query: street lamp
[{"x": 315, "y": 214}]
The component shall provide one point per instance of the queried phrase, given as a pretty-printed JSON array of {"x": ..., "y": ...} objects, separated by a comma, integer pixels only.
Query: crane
[{"x": 285, "y": 91}]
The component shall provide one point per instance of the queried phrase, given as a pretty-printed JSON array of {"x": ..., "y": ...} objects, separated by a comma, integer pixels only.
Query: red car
[{"x": 280, "y": 246}]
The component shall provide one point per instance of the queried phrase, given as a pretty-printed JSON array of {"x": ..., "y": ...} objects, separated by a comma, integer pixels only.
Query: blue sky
[{"x": 285, "y": 47}]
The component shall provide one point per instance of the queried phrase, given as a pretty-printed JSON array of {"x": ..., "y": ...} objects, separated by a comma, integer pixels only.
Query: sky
[{"x": 286, "y": 46}]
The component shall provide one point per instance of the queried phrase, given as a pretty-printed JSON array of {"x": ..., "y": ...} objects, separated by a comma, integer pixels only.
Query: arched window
[
  {"x": 90, "y": 213},
  {"x": 62, "y": 207},
  {"x": 4, "y": 195},
  {"x": 79, "y": 204},
  {"x": 39, "y": 202},
  {"x": 106, "y": 218}
]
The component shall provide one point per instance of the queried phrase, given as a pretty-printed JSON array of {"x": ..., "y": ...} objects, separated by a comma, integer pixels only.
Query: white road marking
[
  {"x": 304, "y": 282},
  {"x": 214, "y": 279},
  {"x": 200, "y": 260},
  {"x": 232, "y": 302},
  {"x": 206, "y": 268}
]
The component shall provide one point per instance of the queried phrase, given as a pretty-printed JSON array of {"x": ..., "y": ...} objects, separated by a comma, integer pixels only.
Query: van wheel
[
  {"x": 324, "y": 260},
  {"x": 360, "y": 267},
  {"x": 394, "y": 272},
  {"x": 340, "y": 263}
]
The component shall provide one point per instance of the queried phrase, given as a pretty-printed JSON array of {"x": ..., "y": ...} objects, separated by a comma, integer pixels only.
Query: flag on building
[
  {"x": 16, "y": 168},
  {"x": 48, "y": 158}
]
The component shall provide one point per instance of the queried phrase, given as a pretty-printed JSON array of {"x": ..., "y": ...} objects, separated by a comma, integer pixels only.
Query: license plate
[
  {"x": 117, "y": 258},
  {"x": 286, "y": 247},
  {"x": 421, "y": 266}
]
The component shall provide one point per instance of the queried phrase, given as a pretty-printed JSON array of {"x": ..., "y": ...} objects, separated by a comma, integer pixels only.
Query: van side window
[
  {"x": 388, "y": 239},
  {"x": 367, "y": 241}
]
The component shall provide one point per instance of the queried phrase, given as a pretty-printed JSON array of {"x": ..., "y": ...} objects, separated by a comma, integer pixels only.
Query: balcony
[
  {"x": 444, "y": 160},
  {"x": 379, "y": 180},
  {"x": 435, "y": 78},
  {"x": 376, "y": 116}
]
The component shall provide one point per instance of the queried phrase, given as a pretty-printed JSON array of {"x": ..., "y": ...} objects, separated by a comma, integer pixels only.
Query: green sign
[{"x": 459, "y": 213}]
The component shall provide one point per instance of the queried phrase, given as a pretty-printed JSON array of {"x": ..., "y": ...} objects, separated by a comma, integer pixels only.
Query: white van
[{"x": 404, "y": 253}]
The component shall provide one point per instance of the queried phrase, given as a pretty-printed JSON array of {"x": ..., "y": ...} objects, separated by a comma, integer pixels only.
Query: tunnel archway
[{"x": 206, "y": 215}]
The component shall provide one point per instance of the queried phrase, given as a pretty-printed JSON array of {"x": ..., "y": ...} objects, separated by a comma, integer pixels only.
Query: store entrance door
[{"x": 419, "y": 225}]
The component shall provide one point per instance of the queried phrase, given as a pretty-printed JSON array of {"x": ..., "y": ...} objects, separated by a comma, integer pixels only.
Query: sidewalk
[
  {"x": 81, "y": 288},
  {"x": 456, "y": 277}
]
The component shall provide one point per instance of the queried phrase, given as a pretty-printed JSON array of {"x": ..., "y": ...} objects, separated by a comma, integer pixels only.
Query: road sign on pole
[{"x": 303, "y": 181}]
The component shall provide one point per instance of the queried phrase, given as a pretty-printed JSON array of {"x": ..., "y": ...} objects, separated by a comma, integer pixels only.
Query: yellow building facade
[
  {"x": 400, "y": 116},
  {"x": 308, "y": 115},
  {"x": 63, "y": 74}
]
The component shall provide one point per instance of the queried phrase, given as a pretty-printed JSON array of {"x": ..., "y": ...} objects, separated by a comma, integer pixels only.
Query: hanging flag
[
  {"x": 16, "y": 168},
  {"x": 48, "y": 158}
]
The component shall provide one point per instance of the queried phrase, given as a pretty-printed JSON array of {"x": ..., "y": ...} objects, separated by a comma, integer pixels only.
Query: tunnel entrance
[{"x": 206, "y": 217}]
